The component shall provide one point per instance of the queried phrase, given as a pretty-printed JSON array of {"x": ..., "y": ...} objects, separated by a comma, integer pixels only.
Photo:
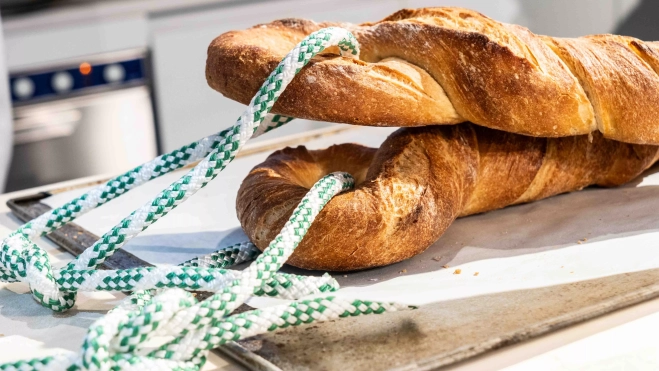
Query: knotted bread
[
  {"x": 450, "y": 65},
  {"x": 412, "y": 188}
]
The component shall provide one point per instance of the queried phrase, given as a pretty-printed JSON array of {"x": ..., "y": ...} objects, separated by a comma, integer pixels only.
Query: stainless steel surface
[
  {"x": 244, "y": 357},
  {"x": 49, "y": 125},
  {"x": 102, "y": 133},
  {"x": 442, "y": 334}
]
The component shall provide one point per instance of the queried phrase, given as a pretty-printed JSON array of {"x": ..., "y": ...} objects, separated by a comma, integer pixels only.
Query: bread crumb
[
  {"x": 445, "y": 266},
  {"x": 437, "y": 258},
  {"x": 403, "y": 271},
  {"x": 476, "y": 274},
  {"x": 457, "y": 271},
  {"x": 579, "y": 242}
]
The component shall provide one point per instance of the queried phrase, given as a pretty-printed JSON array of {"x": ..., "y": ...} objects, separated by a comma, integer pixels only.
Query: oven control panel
[{"x": 76, "y": 79}]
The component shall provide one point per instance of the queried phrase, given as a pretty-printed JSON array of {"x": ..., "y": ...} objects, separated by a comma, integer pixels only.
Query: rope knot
[{"x": 24, "y": 261}]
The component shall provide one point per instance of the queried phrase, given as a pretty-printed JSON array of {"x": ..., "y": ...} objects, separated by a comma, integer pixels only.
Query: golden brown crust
[
  {"x": 454, "y": 65},
  {"x": 413, "y": 187},
  {"x": 351, "y": 91},
  {"x": 507, "y": 167},
  {"x": 496, "y": 75},
  {"x": 398, "y": 192},
  {"x": 622, "y": 87}
]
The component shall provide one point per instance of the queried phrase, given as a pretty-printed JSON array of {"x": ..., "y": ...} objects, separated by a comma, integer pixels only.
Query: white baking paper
[{"x": 583, "y": 235}]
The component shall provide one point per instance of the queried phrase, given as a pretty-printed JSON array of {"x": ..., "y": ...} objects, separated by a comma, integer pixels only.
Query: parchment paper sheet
[{"x": 593, "y": 233}]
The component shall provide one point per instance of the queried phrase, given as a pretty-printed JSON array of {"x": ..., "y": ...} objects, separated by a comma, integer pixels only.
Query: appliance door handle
[{"x": 47, "y": 125}]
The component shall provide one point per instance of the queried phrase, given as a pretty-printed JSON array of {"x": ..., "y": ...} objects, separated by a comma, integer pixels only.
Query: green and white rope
[
  {"x": 159, "y": 306},
  {"x": 18, "y": 252},
  {"x": 235, "y": 254}
]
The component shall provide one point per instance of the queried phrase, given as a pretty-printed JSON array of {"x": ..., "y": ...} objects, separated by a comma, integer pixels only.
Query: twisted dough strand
[{"x": 451, "y": 65}]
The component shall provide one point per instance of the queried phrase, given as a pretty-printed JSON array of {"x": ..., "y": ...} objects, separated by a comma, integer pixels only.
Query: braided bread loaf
[
  {"x": 450, "y": 65},
  {"x": 413, "y": 187}
]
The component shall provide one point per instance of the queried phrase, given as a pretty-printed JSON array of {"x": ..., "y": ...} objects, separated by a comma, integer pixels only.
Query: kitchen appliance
[{"x": 80, "y": 118}]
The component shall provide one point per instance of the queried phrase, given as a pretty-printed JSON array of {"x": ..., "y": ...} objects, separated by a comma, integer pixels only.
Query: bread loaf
[
  {"x": 412, "y": 188},
  {"x": 450, "y": 65}
]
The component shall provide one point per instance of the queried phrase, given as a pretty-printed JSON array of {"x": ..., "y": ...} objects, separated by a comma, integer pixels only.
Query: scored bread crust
[
  {"x": 409, "y": 191},
  {"x": 433, "y": 66}
]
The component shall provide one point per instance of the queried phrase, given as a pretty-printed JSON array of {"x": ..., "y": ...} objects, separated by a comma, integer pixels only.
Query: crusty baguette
[
  {"x": 413, "y": 187},
  {"x": 450, "y": 65}
]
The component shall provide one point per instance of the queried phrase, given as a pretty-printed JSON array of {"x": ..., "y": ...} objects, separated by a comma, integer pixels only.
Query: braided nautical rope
[{"x": 159, "y": 304}]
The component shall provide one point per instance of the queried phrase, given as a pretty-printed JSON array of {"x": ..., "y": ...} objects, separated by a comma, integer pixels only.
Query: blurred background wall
[
  {"x": 101, "y": 86},
  {"x": 6, "y": 127}
]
